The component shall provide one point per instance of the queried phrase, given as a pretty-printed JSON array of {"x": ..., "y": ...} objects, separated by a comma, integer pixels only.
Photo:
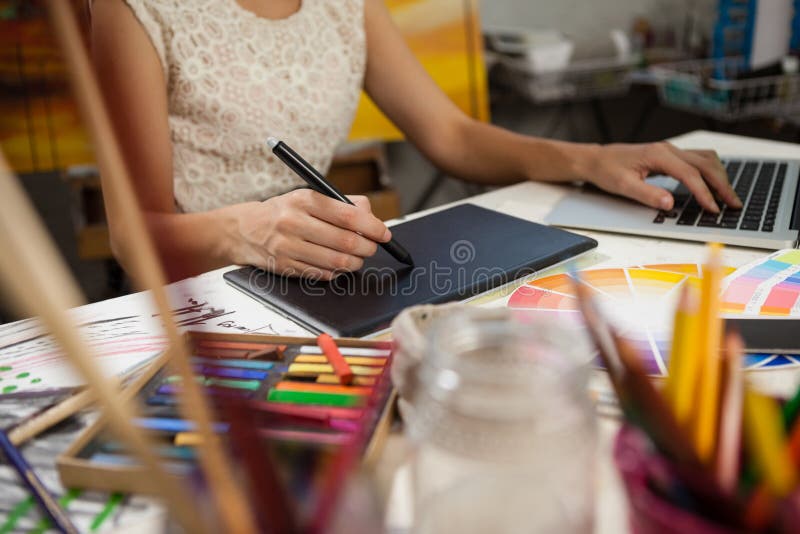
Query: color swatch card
[
  {"x": 769, "y": 286},
  {"x": 638, "y": 301}
]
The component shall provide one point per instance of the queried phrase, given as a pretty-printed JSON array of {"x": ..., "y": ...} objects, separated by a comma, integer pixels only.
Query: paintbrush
[
  {"x": 38, "y": 283},
  {"x": 121, "y": 201}
]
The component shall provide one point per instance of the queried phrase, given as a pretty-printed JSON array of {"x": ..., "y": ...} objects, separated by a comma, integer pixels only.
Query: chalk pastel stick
[
  {"x": 289, "y": 385},
  {"x": 351, "y": 360},
  {"x": 124, "y": 460},
  {"x": 322, "y": 438},
  {"x": 322, "y": 399},
  {"x": 357, "y": 380},
  {"x": 235, "y": 345},
  {"x": 314, "y": 369},
  {"x": 166, "y": 451},
  {"x": 230, "y": 372},
  {"x": 251, "y": 385},
  {"x": 348, "y": 351},
  {"x": 174, "y": 390},
  {"x": 259, "y": 365},
  {"x": 307, "y": 411},
  {"x": 191, "y": 439},
  {"x": 234, "y": 349},
  {"x": 340, "y": 366},
  {"x": 167, "y": 424}
]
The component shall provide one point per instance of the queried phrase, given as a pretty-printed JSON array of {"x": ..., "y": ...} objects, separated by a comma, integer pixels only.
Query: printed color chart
[
  {"x": 639, "y": 301},
  {"x": 770, "y": 286}
]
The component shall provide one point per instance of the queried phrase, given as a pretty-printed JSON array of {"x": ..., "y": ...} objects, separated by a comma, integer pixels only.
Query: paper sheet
[
  {"x": 89, "y": 511},
  {"x": 126, "y": 331}
]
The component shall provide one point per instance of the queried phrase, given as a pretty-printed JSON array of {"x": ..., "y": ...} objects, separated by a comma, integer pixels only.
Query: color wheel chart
[
  {"x": 639, "y": 301},
  {"x": 770, "y": 286}
]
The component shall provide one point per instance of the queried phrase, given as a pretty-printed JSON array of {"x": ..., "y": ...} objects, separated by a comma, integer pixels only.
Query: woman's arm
[
  {"x": 483, "y": 153},
  {"x": 301, "y": 233},
  {"x": 130, "y": 74}
]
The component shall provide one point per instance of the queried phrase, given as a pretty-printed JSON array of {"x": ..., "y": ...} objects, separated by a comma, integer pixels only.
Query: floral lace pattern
[{"x": 233, "y": 79}]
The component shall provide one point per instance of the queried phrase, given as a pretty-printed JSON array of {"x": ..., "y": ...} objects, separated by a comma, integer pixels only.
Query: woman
[{"x": 195, "y": 88}]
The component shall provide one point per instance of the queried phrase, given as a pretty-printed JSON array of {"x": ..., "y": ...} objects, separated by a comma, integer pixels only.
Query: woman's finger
[
  {"x": 327, "y": 235},
  {"x": 350, "y": 218},
  {"x": 714, "y": 173},
  {"x": 323, "y": 258},
  {"x": 661, "y": 158},
  {"x": 633, "y": 187}
]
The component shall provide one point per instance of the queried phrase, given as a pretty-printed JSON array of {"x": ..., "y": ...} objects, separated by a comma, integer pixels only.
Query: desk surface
[
  {"x": 207, "y": 303},
  {"x": 533, "y": 201}
]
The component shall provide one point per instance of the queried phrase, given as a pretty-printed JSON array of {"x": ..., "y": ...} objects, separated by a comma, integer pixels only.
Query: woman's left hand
[{"x": 622, "y": 169}]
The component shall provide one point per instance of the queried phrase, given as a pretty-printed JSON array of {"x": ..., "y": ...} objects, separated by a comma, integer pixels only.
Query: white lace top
[{"x": 233, "y": 79}]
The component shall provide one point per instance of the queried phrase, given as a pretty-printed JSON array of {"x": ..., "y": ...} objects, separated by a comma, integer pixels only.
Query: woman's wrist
[
  {"x": 230, "y": 220},
  {"x": 584, "y": 157},
  {"x": 561, "y": 161}
]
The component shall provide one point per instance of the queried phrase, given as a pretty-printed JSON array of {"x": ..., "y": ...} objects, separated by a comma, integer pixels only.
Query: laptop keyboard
[{"x": 758, "y": 185}]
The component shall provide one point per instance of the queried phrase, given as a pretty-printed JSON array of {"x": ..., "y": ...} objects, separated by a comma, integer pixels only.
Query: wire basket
[
  {"x": 580, "y": 80},
  {"x": 709, "y": 87}
]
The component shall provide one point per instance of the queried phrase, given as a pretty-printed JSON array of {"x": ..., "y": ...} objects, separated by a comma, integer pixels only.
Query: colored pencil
[
  {"x": 709, "y": 343},
  {"x": 47, "y": 503},
  {"x": 767, "y": 443},
  {"x": 684, "y": 358},
  {"x": 639, "y": 399},
  {"x": 121, "y": 199},
  {"x": 730, "y": 421},
  {"x": 337, "y": 361}
]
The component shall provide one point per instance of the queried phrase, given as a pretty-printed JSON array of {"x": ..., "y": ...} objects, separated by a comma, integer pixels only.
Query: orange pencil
[{"x": 337, "y": 361}]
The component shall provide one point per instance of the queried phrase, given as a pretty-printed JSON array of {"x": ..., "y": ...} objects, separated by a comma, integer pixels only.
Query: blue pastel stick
[
  {"x": 166, "y": 424},
  {"x": 216, "y": 391},
  {"x": 46, "y": 501},
  {"x": 123, "y": 460},
  {"x": 232, "y": 372},
  {"x": 231, "y": 362}
]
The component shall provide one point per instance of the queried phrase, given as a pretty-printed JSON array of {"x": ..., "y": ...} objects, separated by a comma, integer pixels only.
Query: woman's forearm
[
  {"x": 187, "y": 243},
  {"x": 483, "y": 153}
]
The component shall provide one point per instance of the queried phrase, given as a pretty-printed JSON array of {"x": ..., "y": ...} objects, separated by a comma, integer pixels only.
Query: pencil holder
[{"x": 651, "y": 513}]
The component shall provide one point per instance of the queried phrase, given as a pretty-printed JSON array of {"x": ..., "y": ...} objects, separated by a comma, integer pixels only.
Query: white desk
[
  {"x": 527, "y": 200},
  {"x": 533, "y": 201}
]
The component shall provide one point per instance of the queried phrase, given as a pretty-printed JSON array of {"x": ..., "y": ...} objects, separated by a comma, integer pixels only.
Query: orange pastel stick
[
  {"x": 337, "y": 361},
  {"x": 292, "y": 385}
]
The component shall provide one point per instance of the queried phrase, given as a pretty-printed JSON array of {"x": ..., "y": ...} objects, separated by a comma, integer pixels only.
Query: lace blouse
[{"x": 234, "y": 78}]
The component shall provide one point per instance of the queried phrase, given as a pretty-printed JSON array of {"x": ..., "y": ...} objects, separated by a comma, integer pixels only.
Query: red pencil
[{"x": 337, "y": 361}]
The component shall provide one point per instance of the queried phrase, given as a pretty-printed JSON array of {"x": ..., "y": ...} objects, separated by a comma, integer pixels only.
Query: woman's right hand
[{"x": 304, "y": 233}]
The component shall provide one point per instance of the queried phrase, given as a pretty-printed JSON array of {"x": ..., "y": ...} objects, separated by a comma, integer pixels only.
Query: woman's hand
[
  {"x": 304, "y": 233},
  {"x": 621, "y": 169}
]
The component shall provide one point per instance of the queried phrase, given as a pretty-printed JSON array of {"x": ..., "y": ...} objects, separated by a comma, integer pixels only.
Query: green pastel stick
[
  {"x": 251, "y": 385},
  {"x": 314, "y": 397}
]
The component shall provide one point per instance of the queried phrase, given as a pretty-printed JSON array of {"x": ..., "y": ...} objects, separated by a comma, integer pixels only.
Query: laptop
[{"x": 770, "y": 218}]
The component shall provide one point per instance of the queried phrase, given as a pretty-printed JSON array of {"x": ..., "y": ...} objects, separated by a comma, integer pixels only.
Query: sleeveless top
[{"x": 234, "y": 79}]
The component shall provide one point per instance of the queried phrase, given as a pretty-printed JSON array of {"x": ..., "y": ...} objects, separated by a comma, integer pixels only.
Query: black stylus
[{"x": 318, "y": 183}]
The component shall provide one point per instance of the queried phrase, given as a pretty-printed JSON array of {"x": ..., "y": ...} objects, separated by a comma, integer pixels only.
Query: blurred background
[{"x": 602, "y": 71}]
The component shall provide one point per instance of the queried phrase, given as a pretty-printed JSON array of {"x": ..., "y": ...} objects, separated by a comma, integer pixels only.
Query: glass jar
[{"x": 503, "y": 429}]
